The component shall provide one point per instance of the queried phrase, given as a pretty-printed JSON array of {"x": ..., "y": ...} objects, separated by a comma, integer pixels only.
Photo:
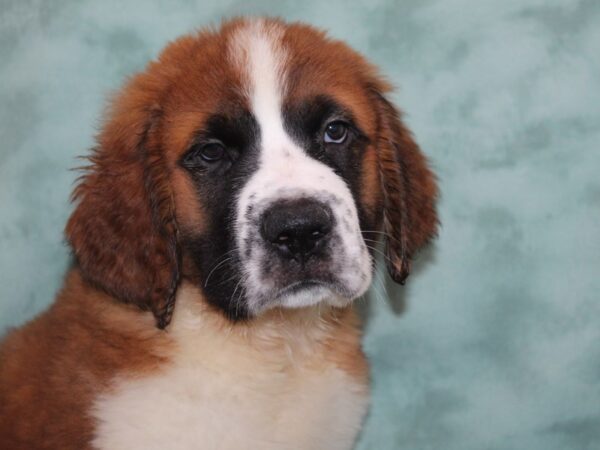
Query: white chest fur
[{"x": 266, "y": 387}]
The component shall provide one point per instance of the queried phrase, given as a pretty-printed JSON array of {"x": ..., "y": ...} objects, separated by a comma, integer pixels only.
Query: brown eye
[
  {"x": 212, "y": 152},
  {"x": 205, "y": 154},
  {"x": 336, "y": 132}
]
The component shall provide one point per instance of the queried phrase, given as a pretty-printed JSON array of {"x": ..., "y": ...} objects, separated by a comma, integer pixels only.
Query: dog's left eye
[{"x": 336, "y": 132}]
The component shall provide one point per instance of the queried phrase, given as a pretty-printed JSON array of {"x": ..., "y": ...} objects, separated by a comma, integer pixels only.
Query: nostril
[
  {"x": 318, "y": 233},
  {"x": 282, "y": 238}
]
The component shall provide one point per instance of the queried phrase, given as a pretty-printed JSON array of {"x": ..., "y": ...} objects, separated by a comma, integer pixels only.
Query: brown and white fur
[{"x": 197, "y": 315}]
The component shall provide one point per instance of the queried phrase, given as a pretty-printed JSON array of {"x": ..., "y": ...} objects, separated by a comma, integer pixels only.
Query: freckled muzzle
[{"x": 301, "y": 248}]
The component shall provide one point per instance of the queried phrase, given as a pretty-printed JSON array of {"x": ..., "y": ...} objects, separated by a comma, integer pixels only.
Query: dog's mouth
[
  {"x": 311, "y": 291},
  {"x": 298, "y": 286},
  {"x": 308, "y": 285}
]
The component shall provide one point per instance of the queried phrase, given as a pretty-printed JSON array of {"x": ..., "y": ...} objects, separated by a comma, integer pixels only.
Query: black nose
[{"x": 297, "y": 228}]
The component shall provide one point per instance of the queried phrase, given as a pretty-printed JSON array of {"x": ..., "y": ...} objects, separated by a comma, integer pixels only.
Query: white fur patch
[
  {"x": 261, "y": 389},
  {"x": 286, "y": 171}
]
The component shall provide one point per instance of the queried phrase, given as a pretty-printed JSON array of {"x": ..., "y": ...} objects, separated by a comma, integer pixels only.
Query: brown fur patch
[
  {"x": 371, "y": 196},
  {"x": 320, "y": 65},
  {"x": 344, "y": 347}
]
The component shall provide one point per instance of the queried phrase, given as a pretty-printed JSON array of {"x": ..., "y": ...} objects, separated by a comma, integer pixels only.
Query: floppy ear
[
  {"x": 123, "y": 230},
  {"x": 409, "y": 191}
]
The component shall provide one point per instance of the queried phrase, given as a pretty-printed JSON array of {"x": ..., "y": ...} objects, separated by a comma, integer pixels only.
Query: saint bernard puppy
[{"x": 226, "y": 222}]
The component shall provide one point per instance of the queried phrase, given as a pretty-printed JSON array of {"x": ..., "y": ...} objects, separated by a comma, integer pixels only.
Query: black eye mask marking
[
  {"x": 222, "y": 141},
  {"x": 217, "y": 184}
]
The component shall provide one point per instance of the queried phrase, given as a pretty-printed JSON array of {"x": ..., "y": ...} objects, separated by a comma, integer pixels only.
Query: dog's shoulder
[{"x": 52, "y": 368}]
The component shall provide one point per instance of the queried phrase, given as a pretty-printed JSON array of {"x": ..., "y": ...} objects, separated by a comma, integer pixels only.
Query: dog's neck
[
  {"x": 294, "y": 331},
  {"x": 202, "y": 333}
]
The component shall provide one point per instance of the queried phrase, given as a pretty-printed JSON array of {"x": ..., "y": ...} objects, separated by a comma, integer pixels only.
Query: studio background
[{"x": 495, "y": 341}]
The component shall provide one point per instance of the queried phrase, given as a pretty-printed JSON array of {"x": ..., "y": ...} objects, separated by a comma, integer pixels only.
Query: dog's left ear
[
  {"x": 123, "y": 230},
  {"x": 409, "y": 190}
]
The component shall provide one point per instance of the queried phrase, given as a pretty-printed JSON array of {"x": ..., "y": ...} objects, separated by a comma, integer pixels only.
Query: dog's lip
[{"x": 300, "y": 285}]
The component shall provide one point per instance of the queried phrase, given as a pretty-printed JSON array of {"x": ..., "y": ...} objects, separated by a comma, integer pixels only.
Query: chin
[{"x": 308, "y": 293}]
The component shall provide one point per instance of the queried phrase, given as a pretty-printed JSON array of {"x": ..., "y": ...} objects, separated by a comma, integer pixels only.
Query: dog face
[{"x": 261, "y": 161}]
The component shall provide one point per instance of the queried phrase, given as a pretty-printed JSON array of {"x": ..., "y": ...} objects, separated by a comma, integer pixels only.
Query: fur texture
[{"x": 180, "y": 324}]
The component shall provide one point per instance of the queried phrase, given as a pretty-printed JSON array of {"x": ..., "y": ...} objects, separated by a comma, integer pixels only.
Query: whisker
[
  {"x": 378, "y": 280},
  {"x": 381, "y": 232},
  {"x": 219, "y": 264},
  {"x": 235, "y": 290},
  {"x": 237, "y": 301},
  {"x": 242, "y": 282},
  {"x": 226, "y": 280},
  {"x": 387, "y": 258},
  {"x": 215, "y": 268}
]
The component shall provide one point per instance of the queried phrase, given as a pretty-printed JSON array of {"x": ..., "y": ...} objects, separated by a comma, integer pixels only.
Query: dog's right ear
[{"x": 123, "y": 230}]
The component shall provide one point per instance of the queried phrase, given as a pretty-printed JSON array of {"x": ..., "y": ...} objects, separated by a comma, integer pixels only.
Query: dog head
[{"x": 261, "y": 161}]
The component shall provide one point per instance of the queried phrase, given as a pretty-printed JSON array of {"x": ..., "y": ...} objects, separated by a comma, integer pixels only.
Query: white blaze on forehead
[
  {"x": 285, "y": 170},
  {"x": 258, "y": 52}
]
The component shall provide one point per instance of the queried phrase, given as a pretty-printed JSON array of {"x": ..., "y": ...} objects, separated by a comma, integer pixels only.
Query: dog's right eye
[
  {"x": 212, "y": 152},
  {"x": 207, "y": 153}
]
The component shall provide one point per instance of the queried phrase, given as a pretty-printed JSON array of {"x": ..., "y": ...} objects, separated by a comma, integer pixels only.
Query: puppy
[{"x": 224, "y": 226}]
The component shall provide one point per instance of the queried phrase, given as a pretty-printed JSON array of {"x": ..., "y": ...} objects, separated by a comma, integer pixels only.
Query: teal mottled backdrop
[{"x": 495, "y": 342}]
